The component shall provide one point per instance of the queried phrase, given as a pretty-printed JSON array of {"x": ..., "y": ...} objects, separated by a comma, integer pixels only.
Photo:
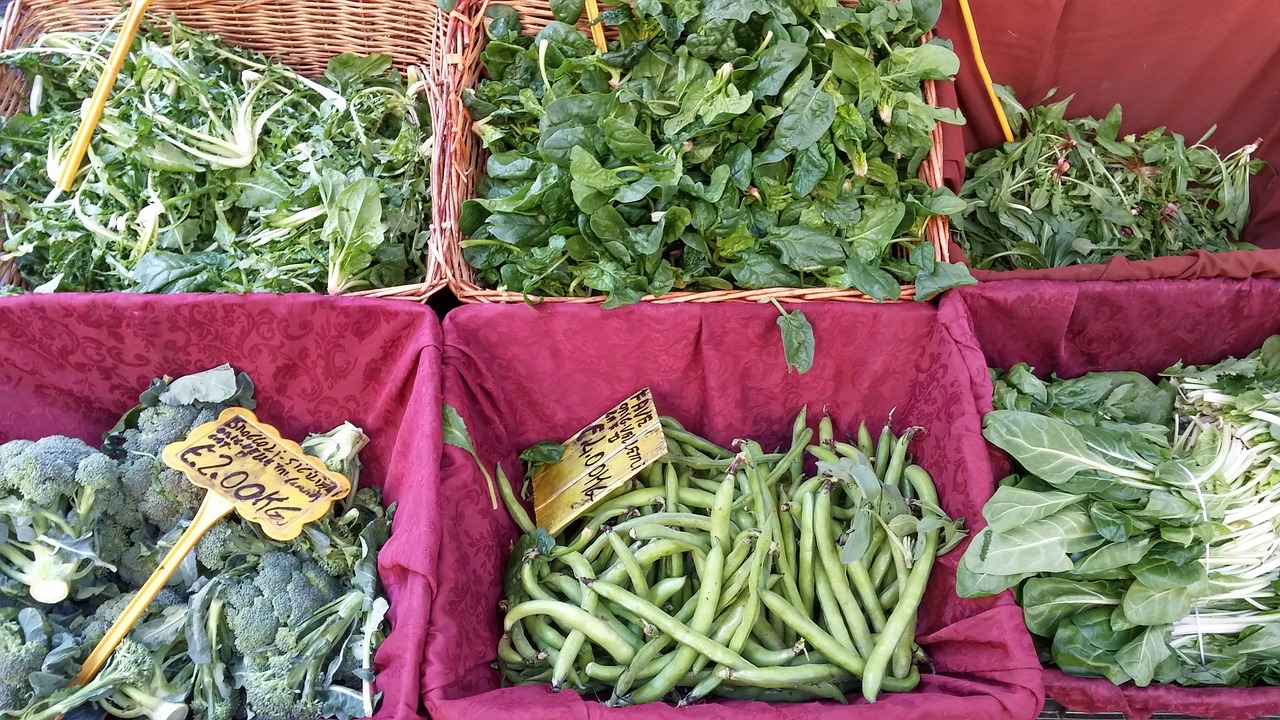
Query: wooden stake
[{"x": 93, "y": 113}]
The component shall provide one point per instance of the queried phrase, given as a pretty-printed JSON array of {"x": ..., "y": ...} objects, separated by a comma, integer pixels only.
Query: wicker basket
[
  {"x": 304, "y": 34},
  {"x": 465, "y": 39}
]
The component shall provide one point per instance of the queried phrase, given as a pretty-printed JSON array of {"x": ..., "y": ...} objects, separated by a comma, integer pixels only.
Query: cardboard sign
[
  {"x": 597, "y": 460},
  {"x": 271, "y": 481}
]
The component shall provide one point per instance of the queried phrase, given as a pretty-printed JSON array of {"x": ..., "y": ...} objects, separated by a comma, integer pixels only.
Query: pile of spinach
[
  {"x": 717, "y": 144},
  {"x": 215, "y": 169},
  {"x": 1143, "y": 532},
  {"x": 1074, "y": 191}
]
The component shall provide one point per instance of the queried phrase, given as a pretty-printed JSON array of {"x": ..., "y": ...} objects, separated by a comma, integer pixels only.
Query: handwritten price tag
[
  {"x": 597, "y": 460},
  {"x": 270, "y": 480}
]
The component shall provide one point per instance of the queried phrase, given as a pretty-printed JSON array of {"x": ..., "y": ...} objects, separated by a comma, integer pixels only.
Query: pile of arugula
[
  {"x": 1074, "y": 191},
  {"x": 215, "y": 169},
  {"x": 1143, "y": 536},
  {"x": 717, "y": 144}
]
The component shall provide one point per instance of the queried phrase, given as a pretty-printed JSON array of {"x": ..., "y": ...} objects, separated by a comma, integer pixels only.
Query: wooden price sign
[
  {"x": 268, "y": 479},
  {"x": 598, "y": 459},
  {"x": 249, "y": 468}
]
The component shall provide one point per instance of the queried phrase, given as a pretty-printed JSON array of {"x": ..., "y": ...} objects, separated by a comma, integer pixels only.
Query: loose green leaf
[{"x": 797, "y": 339}]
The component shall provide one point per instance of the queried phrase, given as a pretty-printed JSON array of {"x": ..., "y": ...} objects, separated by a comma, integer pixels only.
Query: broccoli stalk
[
  {"x": 24, "y": 642},
  {"x": 211, "y": 695},
  {"x": 48, "y": 552},
  {"x": 157, "y": 699},
  {"x": 48, "y": 567}
]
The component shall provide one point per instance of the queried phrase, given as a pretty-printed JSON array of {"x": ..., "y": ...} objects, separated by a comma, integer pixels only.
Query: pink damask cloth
[
  {"x": 73, "y": 364},
  {"x": 520, "y": 375},
  {"x": 1069, "y": 329}
]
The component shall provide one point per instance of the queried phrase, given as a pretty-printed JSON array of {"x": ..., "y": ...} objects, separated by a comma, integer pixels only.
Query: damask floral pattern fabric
[
  {"x": 72, "y": 364},
  {"x": 1071, "y": 329},
  {"x": 519, "y": 375}
]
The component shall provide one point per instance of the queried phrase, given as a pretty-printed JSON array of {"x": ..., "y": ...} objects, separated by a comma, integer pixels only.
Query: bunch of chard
[{"x": 1143, "y": 535}]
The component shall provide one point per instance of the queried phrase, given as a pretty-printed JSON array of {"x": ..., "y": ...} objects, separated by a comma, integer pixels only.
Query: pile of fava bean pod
[{"x": 735, "y": 574}]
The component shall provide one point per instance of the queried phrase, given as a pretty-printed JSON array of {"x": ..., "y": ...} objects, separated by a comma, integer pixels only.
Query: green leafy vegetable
[
  {"x": 797, "y": 339},
  {"x": 1074, "y": 191},
  {"x": 1142, "y": 538},
  {"x": 215, "y": 169},
  {"x": 716, "y": 144},
  {"x": 248, "y": 626}
]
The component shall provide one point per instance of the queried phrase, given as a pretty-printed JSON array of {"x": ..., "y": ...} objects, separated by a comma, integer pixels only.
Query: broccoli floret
[
  {"x": 163, "y": 495},
  {"x": 159, "y": 426},
  {"x": 281, "y": 685},
  {"x": 251, "y": 617},
  {"x": 101, "y": 475},
  {"x": 272, "y": 692},
  {"x": 24, "y": 643},
  {"x": 285, "y": 590},
  {"x": 212, "y": 549},
  {"x": 228, "y": 540},
  {"x": 130, "y": 664},
  {"x": 44, "y": 472}
]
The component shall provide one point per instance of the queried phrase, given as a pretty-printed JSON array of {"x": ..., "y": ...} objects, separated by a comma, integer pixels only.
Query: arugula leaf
[{"x": 1094, "y": 194}]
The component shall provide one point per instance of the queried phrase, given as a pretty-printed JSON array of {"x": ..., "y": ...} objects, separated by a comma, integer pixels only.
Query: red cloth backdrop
[
  {"x": 1180, "y": 66},
  {"x": 73, "y": 364},
  {"x": 520, "y": 375},
  {"x": 1070, "y": 329}
]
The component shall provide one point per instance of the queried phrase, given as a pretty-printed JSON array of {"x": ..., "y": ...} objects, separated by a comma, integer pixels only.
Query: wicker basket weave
[
  {"x": 465, "y": 38},
  {"x": 304, "y": 34}
]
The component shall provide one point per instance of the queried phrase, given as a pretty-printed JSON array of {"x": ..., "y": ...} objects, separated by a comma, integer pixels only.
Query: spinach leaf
[
  {"x": 806, "y": 119},
  {"x": 763, "y": 130},
  {"x": 797, "y": 339}
]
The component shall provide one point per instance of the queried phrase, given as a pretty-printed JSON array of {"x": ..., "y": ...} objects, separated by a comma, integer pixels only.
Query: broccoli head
[
  {"x": 272, "y": 689},
  {"x": 43, "y": 472},
  {"x": 231, "y": 542},
  {"x": 130, "y": 664},
  {"x": 282, "y": 684},
  {"x": 285, "y": 590},
  {"x": 50, "y": 499},
  {"x": 96, "y": 625},
  {"x": 24, "y": 643},
  {"x": 163, "y": 495}
]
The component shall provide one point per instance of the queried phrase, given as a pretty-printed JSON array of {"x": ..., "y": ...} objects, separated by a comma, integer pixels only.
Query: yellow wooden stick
[
  {"x": 597, "y": 30},
  {"x": 982, "y": 71},
  {"x": 214, "y": 508},
  {"x": 93, "y": 113}
]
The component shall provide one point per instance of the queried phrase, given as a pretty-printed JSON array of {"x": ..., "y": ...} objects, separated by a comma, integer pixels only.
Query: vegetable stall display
[
  {"x": 248, "y": 624},
  {"x": 714, "y": 145},
  {"x": 734, "y": 574},
  {"x": 1071, "y": 191},
  {"x": 215, "y": 169},
  {"x": 1143, "y": 531}
]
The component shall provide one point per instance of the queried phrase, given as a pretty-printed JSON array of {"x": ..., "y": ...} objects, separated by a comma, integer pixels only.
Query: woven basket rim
[
  {"x": 19, "y": 20},
  {"x": 466, "y": 39}
]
